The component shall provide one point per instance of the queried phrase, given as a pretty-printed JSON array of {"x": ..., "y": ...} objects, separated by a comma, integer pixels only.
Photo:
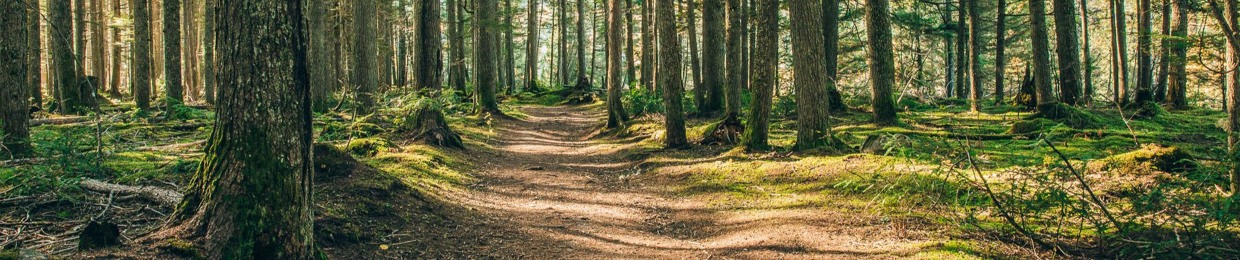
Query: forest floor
[{"x": 553, "y": 182}]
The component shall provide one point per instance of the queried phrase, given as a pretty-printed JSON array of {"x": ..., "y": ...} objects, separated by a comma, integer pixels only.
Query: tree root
[{"x": 725, "y": 132}]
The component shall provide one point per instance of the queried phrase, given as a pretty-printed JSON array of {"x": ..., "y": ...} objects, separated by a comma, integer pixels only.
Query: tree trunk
[
  {"x": 1119, "y": 52},
  {"x": 1068, "y": 51},
  {"x": 1087, "y": 97},
  {"x": 98, "y": 57},
  {"x": 1232, "y": 17},
  {"x": 208, "y": 53},
  {"x": 813, "y": 117},
  {"x": 695, "y": 61},
  {"x": 831, "y": 43},
  {"x": 456, "y": 48},
  {"x": 531, "y": 46},
  {"x": 190, "y": 60},
  {"x": 1177, "y": 86},
  {"x": 581, "y": 41},
  {"x": 647, "y": 38},
  {"x": 630, "y": 59},
  {"x": 73, "y": 100},
  {"x": 671, "y": 80},
  {"x": 1041, "y": 56},
  {"x": 365, "y": 76},
  {"x": 174, "y": 92},
  {"x": 949, "y": 56},
  {"x": 975, "y": 54},
  {"x": 1000, "y": 48},
  {"x": 714, "y": 51},
  {"x": 141, "y": 78},
  {"x": 34, "y": 51},
  {"x": 1164, "y": 54},
  {"x": 429, "y": 47},
  {"x": 1145, "y": 67},
  {"x": 962, "y": 51},
  {"x": 79, "y": 38},
  {"x": 252, "y": 196},
  {"x": 484, "y": 42},
  {"x": 882, "y": 65},
  {"x": 764, "y": 70},
  {"x": 735, "y": 60},
  {"x": 14, "y": 89},
  {"x": 616, "y": 116},
  {"x": 562, "y": 46},
  {"x": 510, "y": 67},
  {"x": 318, "y": 58}
]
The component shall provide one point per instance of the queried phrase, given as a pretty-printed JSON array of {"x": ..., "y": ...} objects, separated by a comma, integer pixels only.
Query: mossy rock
[
  {"x": 1148, "y": 110},
  {"x": 1031, "y": 126},
  {"x": 1068, "y": 115},
  {"x": 1163, "y": 158},
  {"x": 369, "y": 146},
  {"x": 182, "y": 248}
]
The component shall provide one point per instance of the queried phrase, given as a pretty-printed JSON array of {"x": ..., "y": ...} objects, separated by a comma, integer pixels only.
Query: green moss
[
  {"x": 1165, "y": 158},
  {"x": 182, "y": 248},
  {"x": 1033, "y": 125},
  {"x": 368, "y": 147}
]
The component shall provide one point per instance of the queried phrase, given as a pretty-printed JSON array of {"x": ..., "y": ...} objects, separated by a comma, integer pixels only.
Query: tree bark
[
  {"x": 34, "y": 51},
  {"x": 882, "y": 65},
  {"x": 365, "y": 76},
  {"x": 208, "y": 53},
  {"x": 813, "y": 116},
  {"x": 252, "y": 196},
  {"x": 1000, "y": 49},
  {"x": 630, "y": 59},
  {"x": 581, "y": 41},
  {"x": 484, "y": 43},
  {"x": 831, "y": 43},
  {"x": 695, "y": 61},
  {"x": 174, "y": 90},
  {"x": 1177, "y": 86},
  {"x": 1041, "y": 56},
  {"x": 429, "y": 47},
  {"x": 975, "y": 56},
  {"x": 1068, "y": 51},
  {"x": 141, "y": 78},
  {"x": 1145, "y": 67},
  {"x": 456, "y": 49},
  {"x": 531, "y": 46},
  {"x": 764, "y": 71},
  {"x": 98, "y": 57},
  {"x": 1164, "y": 54},
  {"x": 962, "y": 51},
  {"x": 14, "y": 88},
  {"x": 616, "y": 116},
  {"x": 1232, "y": 17},
  {"x": 671, "y": 80},
  {"x": 319, "y": 66},
  {"x": 1119, "y": 52},
  {"x": 714, "y": 52},
  {"x": 1088, "y": 66},
  {"x": 647, "y": 38},
  {"x": 510, "y": 67},
  {"x": 735, "y": 60}
]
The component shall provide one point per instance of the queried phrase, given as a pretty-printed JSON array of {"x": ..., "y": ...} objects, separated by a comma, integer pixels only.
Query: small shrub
[{"x": 641, "y": 102}]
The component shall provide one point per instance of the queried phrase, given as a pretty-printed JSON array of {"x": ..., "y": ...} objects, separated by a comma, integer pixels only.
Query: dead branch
[
  {"x": 1093, "y": 197},
  {"x": 59, "y": 120},
  {"x": 162, "y": 196}
]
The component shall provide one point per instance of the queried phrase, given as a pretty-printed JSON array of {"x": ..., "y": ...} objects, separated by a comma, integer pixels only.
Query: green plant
[{"x": 640, "y": 101}]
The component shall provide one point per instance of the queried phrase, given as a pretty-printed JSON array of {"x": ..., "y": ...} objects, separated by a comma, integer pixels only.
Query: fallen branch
[
  {"x": 171, "y": 147},
  {"x": 1093, "y": 197},
  {"x": 162, "y": 196},
  {"x": 59, "y": 120},
  {"x": 999, "y": 203}
]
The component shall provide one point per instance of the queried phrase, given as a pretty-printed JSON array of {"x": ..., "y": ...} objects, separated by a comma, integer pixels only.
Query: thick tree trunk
[
  {"x": 69, "y": 81},
  {"x": 949, "y": 56},
  {"x": 831, "y": 43},
  {"x": 429, "y": 47},
  {"x": 79, "y": 37},
  {"x": 531, "y": 46},
  {"x": 1000, "y": 49},
  {"x": 671, "y": 80},
  {"x": 1068, "y": 51},
  {"x": 510, "y": 67},
  {"x": 562, "y": 45},
  {"x": 141, "y": 49},
  {"x": 484, "y": 42},
  {"x": 1232, "y": 17},
  {"x": 1041, "y": 56},
  {"x": 98, "y": 58},
  {"x": 189, "y": 54},
  {"x": 365, "y": 77},
  {"x": 14, "y": 89},
  {"x": 813, "y": 117},
  {"x": 647, "y": 38},
  {"x": 630, "y": 60},
  {"x": 1177, "y": 86},
  {"x": 319, "y": 66},
  {"x": 252, "y": 196},
  {"x": 714, "y": 51},
  {"x": 174, "y": 91},
  {"x": 616, "y": 116},
  {"x": 581, "y": 41},
  {"x": 764, "y": 71},
  {"x": 882, "y": 65},
  {"x": 456, "y": 49}
]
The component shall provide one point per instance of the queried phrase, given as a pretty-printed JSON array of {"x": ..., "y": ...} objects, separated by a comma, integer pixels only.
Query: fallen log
[
  {"x": 59, "y": 120},
  {"x": 162, "y": 196}
]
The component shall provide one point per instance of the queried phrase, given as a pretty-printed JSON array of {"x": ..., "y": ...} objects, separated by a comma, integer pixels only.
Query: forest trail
[{"x": 567, "y": 193}]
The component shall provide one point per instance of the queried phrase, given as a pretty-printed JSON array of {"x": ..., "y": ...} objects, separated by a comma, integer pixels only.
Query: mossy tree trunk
[
  {"x": 316, "y": 12},
  {"x": 141, "y": 49},
  {"x": 1164, "y": 54},
  {"x": 713, "y": 53},
  {"x": 1067, "y": 49},
  {"x": 616, "y": 117},
  {"x": 429, "y": 47},
  {"x": 671, "y": 80},
  {"x": 831, "y": 46},
  {"x": 764, "y": 73},
  {"x": 14, "y": 91},
  {"x": 1087, "y": 96},
  {"x": 813, "y": 116},
  {"x": 1000, "y": 50},
  {"x": 174, "y": 91},
  {"x": 1145, "y": 46},
  {"x": 735, "y": 59},
  {"x": 34, "y": 51},
  {"x": 60, "y": 24},
  {"x": 251, "y": 199},
  {"x": 882, "y": 64}
]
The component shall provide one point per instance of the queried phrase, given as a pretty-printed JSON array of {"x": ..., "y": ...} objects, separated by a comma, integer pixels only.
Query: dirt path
[{"x": 565, "y": 192}]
